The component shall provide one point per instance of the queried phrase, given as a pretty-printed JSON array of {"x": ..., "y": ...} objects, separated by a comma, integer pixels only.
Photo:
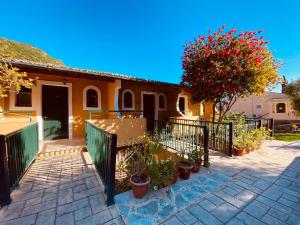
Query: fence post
[
  {"x": 259, "y": 124},
  {"x": 206, "y": 136},
  {"x": 111, "y": 170},
  {"x": 271, "y": 127},
  {"x": 230, "y": 147},
  {"x": 4, "y": 177}
]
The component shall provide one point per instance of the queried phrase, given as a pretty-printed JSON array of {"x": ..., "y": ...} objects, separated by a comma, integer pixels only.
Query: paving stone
[
  {"x": 116, "y": 221},
  {"x": 248, "y": 187},
  {"x": 289, "y": 203},
  {"x": 271, "y": 220},
  {"x": 203, "y": 215},
  {"x": 232, "y": 200},
  {"x": 71, "y": 184},
  {"x": 82, "y": 213},
  {"x": 207, "y": 205},
  {"x": 11, "y": 211},
  {"x": 96, "y": 219},
  {"x": 261, "y": 184},
  {"x": 114, "y": 211},
  {"x": 249, "y": 220},
  {"x": 87, "y": 193},
  {"x": 293, "y": 219},
  {"x": 173, "y": 221},
  {"x": 67, "y": 219},
  {"x": 235, "y": 221},
  {"x": 256, "y": 209},
  {"x": 97, "y": 203},
  {"x": 65, "y": 196},
  {"x": 82, "y": 203},
  {"x": 29, "y": 195},
  {"x": 91, "y": 182},
  {"x": 46, "y": 217},
  {"x": 246, "y": 195},
  {"x": 272, "y": 193},
  {"x": 39, "y": 207},
  {"x": 26, "y": 220},
  {"x": 49, "y": 196},
  {"x": 216, "y": 200},
  {"x": 33, "y": 201},
  {"x": 278, "y": 214},
  {"x": 79, "y": 188},
  {"x": 231, "y": 191},
  {"x": 186, "y": 217},
  {"x": 225, "y": 212},
  {"x": 273, "y": 204}
]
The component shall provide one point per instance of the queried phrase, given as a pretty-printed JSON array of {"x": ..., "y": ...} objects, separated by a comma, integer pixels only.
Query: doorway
[
  {"x": 149, "y": 110},
  {"x": 55, "y": 112}
]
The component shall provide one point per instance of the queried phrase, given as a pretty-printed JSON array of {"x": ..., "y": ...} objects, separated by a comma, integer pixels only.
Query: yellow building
[{"x": 62, "y": 98}]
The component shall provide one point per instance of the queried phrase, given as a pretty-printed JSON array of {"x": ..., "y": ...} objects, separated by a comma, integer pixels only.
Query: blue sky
[{"x": 145, "y": 38}]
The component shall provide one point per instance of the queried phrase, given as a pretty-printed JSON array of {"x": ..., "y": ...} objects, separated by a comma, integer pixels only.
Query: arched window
[
  {"x": 91, "y": 98},
  {"x": 128, "y": 100},
  {"x": 162, "y": 102},
  {"x": 280, "y": 108}
]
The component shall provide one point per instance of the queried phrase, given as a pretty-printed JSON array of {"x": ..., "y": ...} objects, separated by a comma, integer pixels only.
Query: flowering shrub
[{"x": 223, "y": 66}]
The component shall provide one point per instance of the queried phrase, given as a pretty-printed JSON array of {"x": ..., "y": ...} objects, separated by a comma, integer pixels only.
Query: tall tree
[
  {"x": 293, "y": 89},
  {"x": 223, "y": 66},
  {"x": 11, "y": 78}
]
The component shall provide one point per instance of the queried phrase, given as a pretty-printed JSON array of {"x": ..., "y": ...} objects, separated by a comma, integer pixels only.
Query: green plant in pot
[
  {"x": 136, "y": 167},
  {"x": 196, "y": 158},
  {"x": 162, "y": 173},
  {"x": 184, "y": 166}
]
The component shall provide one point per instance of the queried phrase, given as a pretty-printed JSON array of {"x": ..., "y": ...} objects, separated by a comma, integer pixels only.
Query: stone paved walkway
[
  {"x": 264, "y": 189},
  {"x": 60, "y": 190}
]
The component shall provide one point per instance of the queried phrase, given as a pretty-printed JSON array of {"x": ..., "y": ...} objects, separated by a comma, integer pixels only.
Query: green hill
[{"x": 18, "y": 50}]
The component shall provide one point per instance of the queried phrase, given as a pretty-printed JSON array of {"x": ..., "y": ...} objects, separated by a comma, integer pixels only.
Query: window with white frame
[
  {"x": 24, "y": 98},
  {"x": 162, "y": 102},
  {"x": 91, "y": 98},
  {"x": 127, "y": 100}
]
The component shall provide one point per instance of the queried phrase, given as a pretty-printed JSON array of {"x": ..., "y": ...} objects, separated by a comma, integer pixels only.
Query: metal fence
[
  {"x": 220, "y": 137},
  {"x": 17, "y": 152},
  {"x": 110, "y": 114},
  {"x": 102, "y": 146},
  {"x": 183, "y": 137}
]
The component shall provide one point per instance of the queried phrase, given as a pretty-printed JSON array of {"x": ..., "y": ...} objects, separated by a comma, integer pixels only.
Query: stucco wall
[{"x": 128, "y": 130}]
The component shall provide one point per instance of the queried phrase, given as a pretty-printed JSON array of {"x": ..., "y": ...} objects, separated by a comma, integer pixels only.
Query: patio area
[{"x": 262, "y": 187}]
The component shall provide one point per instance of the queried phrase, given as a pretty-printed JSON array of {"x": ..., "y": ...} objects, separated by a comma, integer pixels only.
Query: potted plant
[
  {"x": 184, "y": 166},
  {"x": 161, "y": 173},
  {"x": 196, "y": 158},
  {"x": 136, "y": 166}
]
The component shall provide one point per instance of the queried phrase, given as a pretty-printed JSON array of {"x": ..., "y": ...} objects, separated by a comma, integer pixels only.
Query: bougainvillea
[{"x": 223, "y": 66}]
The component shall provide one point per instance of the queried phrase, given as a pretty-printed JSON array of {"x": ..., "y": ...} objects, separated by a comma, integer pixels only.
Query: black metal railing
[
  {"x": 220, "y": 137},
  {"x": 110, "y": 114},
  {"x": 17, "y": 152},
  {"x": 183, "y": 138},
  {"x": 102, "y": 146}
]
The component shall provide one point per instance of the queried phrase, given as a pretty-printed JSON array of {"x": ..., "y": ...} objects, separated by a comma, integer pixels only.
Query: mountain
[{"x": 22, "y": 51}]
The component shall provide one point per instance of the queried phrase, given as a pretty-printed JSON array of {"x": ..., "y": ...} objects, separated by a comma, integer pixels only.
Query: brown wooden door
[{"x": 149, "y": 110}]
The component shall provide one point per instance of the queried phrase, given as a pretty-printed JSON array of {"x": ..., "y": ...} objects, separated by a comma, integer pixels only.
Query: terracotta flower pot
[
  {"x": 139, "y": 189},
  {"x": 239, "y": 152},
  {"x": 196, "y": 167},
  {"x": 184, "y": 170}
]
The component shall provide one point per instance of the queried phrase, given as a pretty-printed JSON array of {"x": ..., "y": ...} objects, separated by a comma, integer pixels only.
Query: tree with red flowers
[{"x": 223, "y": 66}]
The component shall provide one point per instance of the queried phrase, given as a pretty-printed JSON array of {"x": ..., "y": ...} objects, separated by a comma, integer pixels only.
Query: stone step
[{"x": 60, "y": 152}]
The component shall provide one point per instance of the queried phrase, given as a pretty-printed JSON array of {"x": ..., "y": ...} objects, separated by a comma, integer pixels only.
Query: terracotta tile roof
[{"x": 62, "y": 68}]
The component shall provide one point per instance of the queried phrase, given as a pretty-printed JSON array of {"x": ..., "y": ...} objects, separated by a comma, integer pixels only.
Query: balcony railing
[
  {"x": 17, "y": 151},
  {"x": 101, "y": 146}
]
